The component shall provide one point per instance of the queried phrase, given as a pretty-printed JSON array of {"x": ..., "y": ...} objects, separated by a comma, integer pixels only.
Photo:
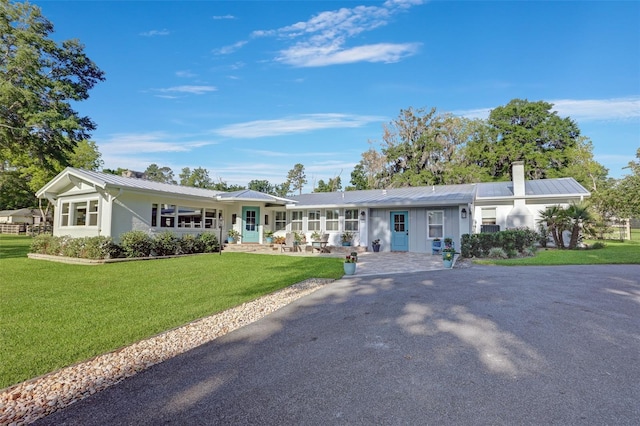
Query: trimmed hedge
[
  {"x": 133, "y": 244},
  {"x": 513, "y": 242}
]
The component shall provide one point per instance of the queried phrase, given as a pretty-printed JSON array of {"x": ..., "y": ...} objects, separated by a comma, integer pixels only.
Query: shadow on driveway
[{"x": 484, "y": 345}]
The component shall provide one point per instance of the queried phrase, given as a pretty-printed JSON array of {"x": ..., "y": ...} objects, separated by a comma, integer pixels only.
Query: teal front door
[
  {"x": 399, "y": 231},
  {"x": 250, "y": 222}
]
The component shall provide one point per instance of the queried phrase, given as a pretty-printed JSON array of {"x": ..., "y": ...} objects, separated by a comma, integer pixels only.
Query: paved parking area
[{"x": 473, "y": 346}]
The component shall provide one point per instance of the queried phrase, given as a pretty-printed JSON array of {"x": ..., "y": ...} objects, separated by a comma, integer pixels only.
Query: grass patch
[
  {"x": 55, "y": 314},
  {"x": 635, "y": 235},
  {"x": 615, "y": 252}
]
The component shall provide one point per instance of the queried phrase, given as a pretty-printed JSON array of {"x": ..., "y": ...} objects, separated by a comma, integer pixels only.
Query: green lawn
[
  {"x": 53, "y": 314},
  {"x": 615, "y": 252}
]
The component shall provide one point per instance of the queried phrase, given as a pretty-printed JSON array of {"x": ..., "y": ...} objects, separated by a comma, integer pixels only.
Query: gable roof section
[
  {"x": 106, "y": 181},
  {"x": 562, "y": 187},
  {"x": 411, "y": 196},
  {"x": 251, "y": 195}
]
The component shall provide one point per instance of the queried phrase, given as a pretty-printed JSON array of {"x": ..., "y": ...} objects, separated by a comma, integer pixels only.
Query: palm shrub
[
  {"x": 136, "y": 244},
  {"x": 579, "y": 215}
]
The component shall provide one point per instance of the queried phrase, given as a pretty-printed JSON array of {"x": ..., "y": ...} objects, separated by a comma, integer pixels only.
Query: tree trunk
[{"x": 575, "y": 233}]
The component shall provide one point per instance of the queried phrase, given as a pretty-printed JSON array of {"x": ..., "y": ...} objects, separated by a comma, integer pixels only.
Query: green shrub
[
  {"x": 190, "y": 244},
  {"x": 73, "y": 247},
  {"x": 136, "y": 244},
  {"x": 598, "y": 245},
  {"x": 41, "y": 243},
  {"x": 209, "y": 242},
  {"x": 166, "y": 244}
]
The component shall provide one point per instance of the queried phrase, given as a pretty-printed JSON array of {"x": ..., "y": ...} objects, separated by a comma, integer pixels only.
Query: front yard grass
[
  {"x": 614, "y": 252},
  {"x": 53, "y": 314}
]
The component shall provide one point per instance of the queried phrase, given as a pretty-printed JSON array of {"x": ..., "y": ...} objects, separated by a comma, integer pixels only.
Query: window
[
  {"x": 189, "y": 217},
  {"x": 80, "y": 214},
  {"x": 250, "y": 220},
  {"x": 489, "y": 216},
  {"x": 435, "y": 224},
  {"x": 331, "y": 220},
  {"x": 93, "y": 213},
  {"x": 210, "y": 219},
  {"x": 296, "y": 220},
  {"x": 351, "y": 220},
  {"x": 65, "y": 215},
  {"x": 154, "y": 215},
  {"x": 168, "y": 216},
  {"x": 313, "y": 220},
  {"x": 281, "y": 221}
]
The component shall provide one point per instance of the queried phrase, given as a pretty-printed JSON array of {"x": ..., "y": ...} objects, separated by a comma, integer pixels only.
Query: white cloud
[
  {"x": 304, "y": 56},
  {"x": 140, "y": 143},
  {"x": 580, "y": 110},
  {"x": 223, "y": 17},
  {"x": 226, "y": 50},
  {"x": 154, "y": 33},
  {"x": 292, "y": 125},
  {"x": 185, "y": 74},
  {"x": 323, "y": 39},
  {"x": 598, "y": 109},
  {"x": 194, "y": 90}
]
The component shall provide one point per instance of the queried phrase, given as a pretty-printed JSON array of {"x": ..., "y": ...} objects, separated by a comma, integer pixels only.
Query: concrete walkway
[
  {"x": 370, "y": 263},
  {"x": 474, "y": 346}
]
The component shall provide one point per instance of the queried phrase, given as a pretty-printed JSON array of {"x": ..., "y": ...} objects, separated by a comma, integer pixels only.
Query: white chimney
[{"x": 517, "y": 172}]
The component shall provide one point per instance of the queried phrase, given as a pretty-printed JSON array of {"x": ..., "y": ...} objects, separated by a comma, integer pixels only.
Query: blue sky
[{"x": 247, "y": 89}]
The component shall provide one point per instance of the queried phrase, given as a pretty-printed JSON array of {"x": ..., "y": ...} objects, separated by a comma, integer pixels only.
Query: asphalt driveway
[{"x": 483, "y": 345}]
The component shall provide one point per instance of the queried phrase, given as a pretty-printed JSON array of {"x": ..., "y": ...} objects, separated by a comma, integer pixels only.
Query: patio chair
[
  {"x": 289, "y": 243},
  {"x": 324, "y": 241}
]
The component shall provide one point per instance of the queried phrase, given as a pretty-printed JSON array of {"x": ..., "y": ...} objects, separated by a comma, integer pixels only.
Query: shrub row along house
[{"x": 90, "y": 203}]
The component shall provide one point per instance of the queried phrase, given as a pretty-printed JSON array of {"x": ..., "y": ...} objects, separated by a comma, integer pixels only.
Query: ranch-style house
[{"x": 89, "y": 203}]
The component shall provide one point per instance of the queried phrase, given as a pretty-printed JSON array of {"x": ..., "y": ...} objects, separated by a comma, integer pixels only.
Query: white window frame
[
  {"x": 432, "y": 225},
  {"x": 313, "y": 220},
  {"x": 332, "y": 220},
  {"x": 489, "y": 216},
  {"x": 351, "y": 220},
  {"x": 296, "y": 220},
  {"x": 92, "y": 215},
  {"x": 280, "y": 222},
  {"x": 69, "y": 215}
]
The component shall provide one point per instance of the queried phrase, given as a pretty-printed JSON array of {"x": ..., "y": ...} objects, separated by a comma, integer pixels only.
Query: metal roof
[
  {"x": 533, "y": 188},
  {"x": 417, "y": 196},
  {"x": 251, "y": 195},
  {"x": 108, "y": 181}
]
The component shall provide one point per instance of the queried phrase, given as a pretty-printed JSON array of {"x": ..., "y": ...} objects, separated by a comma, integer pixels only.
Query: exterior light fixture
[
  {"x": 463, "y": 213},
  {"x": 362, "y": 215}
]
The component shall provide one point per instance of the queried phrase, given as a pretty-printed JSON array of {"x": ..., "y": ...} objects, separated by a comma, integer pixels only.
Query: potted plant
[
  {"x": 448, "y": 242},
  {"x": 376, "y": 245},
  {"x": 448, "y": 256},
  {"x": 299, "y": 238},
  {"x": 316, "y": 236},
  {"x": 268, "y": 237},
  {"x": 350, "y": 264},
  {"x": 233, "y": 236},
  {"x": 346, "y": 238}
]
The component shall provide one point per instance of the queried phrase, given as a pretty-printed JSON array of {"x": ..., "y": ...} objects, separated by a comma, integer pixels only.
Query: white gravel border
[{"x": 29, "y": 401}]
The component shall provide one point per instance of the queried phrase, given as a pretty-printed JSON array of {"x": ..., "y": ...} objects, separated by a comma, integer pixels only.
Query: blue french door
[
  {"x": 250, "y": 222},
  {"x": 399, "y": 231}
]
